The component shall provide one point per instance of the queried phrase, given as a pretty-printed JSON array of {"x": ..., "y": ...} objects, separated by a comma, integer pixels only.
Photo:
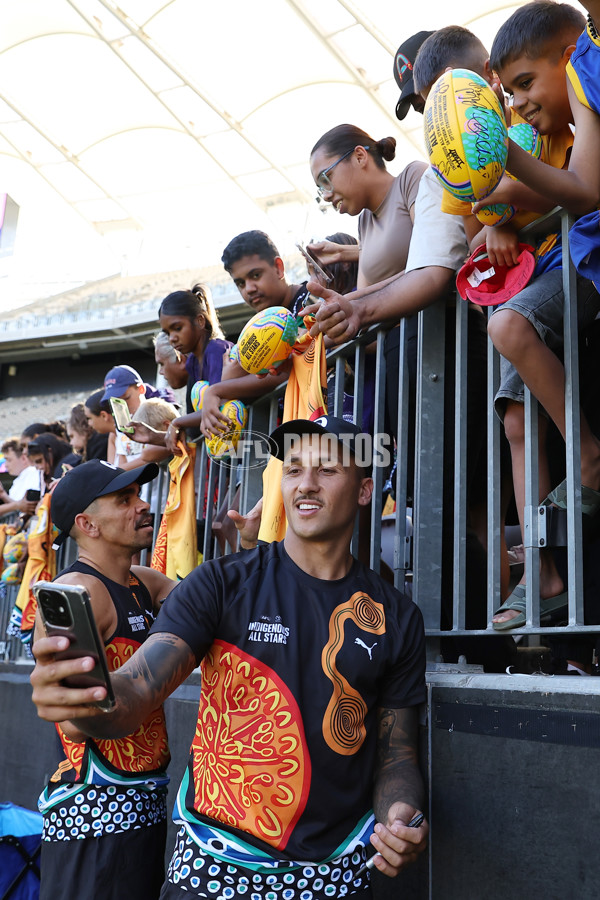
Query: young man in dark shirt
[
  {"x": 312, "y": 673},
  {"x": 258, "y": 272}
]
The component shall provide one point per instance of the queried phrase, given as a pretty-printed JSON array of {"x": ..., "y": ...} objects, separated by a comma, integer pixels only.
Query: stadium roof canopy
[{"x": 141, "y": 135}]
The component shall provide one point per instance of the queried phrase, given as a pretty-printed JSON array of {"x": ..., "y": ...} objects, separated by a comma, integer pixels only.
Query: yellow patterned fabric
[
  {"x": 41, "y": 566},
  {"x": 175, "y": 552},
  {"x": 305, "y": 398}
]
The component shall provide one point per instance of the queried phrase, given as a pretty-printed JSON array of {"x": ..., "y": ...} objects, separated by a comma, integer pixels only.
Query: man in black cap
[
  {"x": 106, "y": 801},
  {"x": 403, "y": 73},
  {"x": 312, "y": 673}
]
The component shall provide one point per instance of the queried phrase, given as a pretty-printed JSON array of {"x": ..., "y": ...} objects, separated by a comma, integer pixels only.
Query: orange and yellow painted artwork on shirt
[{"x": 251, "y": 764}]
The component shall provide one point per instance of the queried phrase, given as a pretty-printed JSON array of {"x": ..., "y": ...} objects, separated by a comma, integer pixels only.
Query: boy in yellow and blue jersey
[{"x": 530, "y": 54}]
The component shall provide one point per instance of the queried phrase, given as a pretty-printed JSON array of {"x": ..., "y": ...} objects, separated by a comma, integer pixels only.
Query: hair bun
[{"x": 387, "y": 148}]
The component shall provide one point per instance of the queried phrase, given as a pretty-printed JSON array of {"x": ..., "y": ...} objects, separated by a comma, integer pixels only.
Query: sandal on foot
[
  {"x": 590, "y": 499},
  {"x": 516, "y": 602},
  {"x": 550, "y": 608}
]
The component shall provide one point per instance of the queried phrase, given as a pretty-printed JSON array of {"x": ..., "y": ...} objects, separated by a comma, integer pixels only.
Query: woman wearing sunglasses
[{"x": 349, "y": 170}]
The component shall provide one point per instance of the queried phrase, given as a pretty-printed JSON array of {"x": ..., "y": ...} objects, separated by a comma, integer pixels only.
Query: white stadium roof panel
[{"x": 123, "y": 121}]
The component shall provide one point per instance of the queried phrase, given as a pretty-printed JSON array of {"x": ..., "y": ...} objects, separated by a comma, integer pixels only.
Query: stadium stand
[
  {"x": 16, "y": 413},
  {"x": 55, "y": 351}
]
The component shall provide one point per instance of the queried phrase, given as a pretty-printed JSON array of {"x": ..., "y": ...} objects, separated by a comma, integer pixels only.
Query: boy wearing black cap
[
  {"x": 107, "y": 799},
  {"x": 312, "y": 672}
]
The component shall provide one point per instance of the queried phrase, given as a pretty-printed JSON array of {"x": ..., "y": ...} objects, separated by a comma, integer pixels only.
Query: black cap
[
  {"x": 403, "y": 70},
  {"x": 85, "y": 483},
  {"x": 345, "y": 432}
]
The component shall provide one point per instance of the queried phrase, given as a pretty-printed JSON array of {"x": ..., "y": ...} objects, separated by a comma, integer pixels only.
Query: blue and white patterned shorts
[{"x": 195, "y": 872}]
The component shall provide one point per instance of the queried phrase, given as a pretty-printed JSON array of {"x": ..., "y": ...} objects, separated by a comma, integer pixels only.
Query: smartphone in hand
[
  {"x": 311, "y": 260},
  {"x": 66, "y": 611},
  {"x": 121, "y": 415}
]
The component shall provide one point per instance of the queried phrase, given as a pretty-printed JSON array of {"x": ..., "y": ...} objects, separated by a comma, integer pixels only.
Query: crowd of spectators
[{"x": 412, "y": 239}]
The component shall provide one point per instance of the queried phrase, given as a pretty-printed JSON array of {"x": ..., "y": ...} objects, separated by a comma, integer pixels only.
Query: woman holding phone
[{"x": 349, "y": 170}]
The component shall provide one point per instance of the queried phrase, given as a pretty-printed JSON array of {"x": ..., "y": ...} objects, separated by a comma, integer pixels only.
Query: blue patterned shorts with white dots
[{"x": 194, "y": 872}]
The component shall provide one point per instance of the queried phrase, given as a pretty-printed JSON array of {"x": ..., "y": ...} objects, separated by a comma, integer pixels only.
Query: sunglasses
[{"x": 323, "y": 182}]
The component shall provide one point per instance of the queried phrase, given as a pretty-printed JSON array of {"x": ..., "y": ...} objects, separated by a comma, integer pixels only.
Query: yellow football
[
  {"x": 527, "y": 137},
  {"x": 267, "y": 340},
  {"x": 197, "y": 394},
  {"x": 220, "y": 446},
  {"x": 465, "y": 134}
]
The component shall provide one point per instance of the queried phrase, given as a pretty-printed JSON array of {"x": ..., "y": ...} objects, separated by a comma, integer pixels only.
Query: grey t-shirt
[{"x": 385, "y": 234}]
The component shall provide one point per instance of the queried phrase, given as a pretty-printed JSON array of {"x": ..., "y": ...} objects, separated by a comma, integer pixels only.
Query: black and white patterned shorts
[
  {"x": 97, "y": 811},
  {"x": 194, "y": 871}
]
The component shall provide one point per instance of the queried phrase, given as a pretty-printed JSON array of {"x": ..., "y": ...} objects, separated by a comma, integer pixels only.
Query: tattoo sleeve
[
  {"x": 397, "y": 776},
  {"x": 159, "y": 666}
]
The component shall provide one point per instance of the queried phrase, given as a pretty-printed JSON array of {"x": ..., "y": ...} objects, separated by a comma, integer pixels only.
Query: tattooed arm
[
  {"x": 398, "y": 792},
  {"x": 160, "y": 665}
]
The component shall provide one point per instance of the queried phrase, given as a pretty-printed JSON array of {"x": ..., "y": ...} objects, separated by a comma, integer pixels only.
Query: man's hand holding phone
[
  {"x": 75, "y": 659},
  {"x": 54, "y": 700}
]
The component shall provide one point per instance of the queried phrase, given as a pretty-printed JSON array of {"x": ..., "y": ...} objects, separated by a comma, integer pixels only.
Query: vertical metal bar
[
  {"x": 338, "y": 387},
  {"x": 494, "y": 523},
  {"x": 429, "y": 464},
  {"x": 162, "y": 492},
  {"x": 401, "y": 555},
  {"x": 222, "y": 493},
  {"x": 357, "y": 414},
  {"x": 378, "y": 428},
  {"x": 208, "y": 547},
  {"x": 359, "y": 383},
  {"x": 530, "y": 517},
  {"x": 201, "y": 476},
  {"x": 273, "y": 414},
  {"x": 252, "y": 487},
  {"x": 234, "y": 473},
  {"x": 572, "y": 433},
  {"x": 460, "y": 466}
]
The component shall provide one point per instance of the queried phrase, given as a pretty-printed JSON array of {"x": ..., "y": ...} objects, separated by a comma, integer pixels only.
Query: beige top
[{"x": 384, "y": 235}]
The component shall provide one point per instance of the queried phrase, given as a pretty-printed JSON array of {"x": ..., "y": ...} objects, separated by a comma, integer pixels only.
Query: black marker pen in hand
[{"x": 370, "y": 863}]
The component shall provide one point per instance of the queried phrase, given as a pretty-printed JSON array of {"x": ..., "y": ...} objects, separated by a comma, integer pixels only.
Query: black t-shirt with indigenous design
[{"x": 294, "y": 669}]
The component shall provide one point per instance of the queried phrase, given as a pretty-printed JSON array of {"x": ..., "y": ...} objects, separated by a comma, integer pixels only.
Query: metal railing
[
  {"x": 428, "y": 534},
  {"x": 425, "y": 535}
]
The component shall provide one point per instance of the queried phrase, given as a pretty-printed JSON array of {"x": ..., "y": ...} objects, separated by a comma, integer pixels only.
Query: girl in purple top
[{"x": 190, "y": 321}]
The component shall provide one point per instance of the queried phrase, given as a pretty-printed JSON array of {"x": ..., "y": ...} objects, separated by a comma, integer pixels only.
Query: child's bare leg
[
  {"x": 514, "y": 425},
  {"x": 543, "y": 373}
]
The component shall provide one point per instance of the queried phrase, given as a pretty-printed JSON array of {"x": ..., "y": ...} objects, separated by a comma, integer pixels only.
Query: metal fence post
[{"x": 429, "y": 464}]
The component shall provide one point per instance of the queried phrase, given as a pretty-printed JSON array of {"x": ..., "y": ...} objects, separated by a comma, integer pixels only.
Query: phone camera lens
[{"x": 55, "y": 610}]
